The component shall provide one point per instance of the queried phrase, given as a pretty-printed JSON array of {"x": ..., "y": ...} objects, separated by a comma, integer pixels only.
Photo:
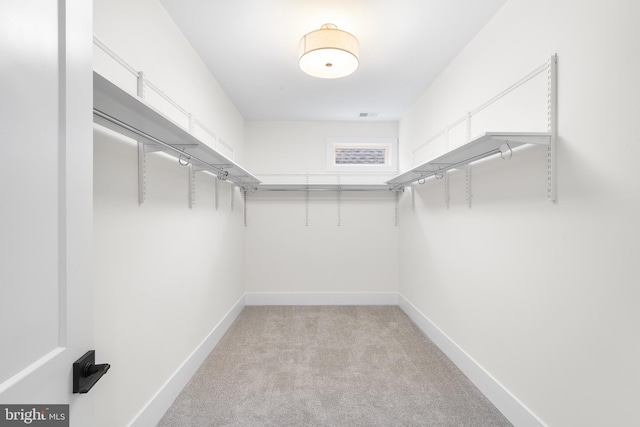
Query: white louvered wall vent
[
  {"x": 360, "y": 156},
  {"x": 371, "y": 155}
]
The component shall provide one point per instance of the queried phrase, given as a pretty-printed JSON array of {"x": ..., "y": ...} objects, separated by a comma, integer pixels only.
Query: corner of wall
[
  {"x": 155, "y": 409},
  {"x": 514, "y": 410}
]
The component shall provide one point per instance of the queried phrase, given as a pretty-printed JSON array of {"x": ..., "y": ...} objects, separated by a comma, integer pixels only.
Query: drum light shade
[{"x": 328, "y": 53}]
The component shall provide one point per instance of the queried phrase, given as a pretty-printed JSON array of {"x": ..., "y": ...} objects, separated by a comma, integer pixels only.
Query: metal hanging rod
[
  {"x": 491, "y": 143},
  {"x": 429, "y": 174},
  {"x": 320, "y": 187},
  {"x": 146, "y": 82},
  {"x": 483, "y": 146},
  {"x": 221, "y": 173}
]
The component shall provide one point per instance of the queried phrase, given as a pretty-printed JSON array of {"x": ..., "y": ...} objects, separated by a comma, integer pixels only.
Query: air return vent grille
[{"x": 361, "y": 156}]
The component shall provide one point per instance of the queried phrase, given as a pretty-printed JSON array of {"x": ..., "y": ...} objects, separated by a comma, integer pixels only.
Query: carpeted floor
[{"x": 329, "y": 366}]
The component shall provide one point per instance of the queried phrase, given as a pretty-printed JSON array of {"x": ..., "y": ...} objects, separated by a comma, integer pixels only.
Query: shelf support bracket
[
  {"x": 192, "y": 183},
  {"x": 397, "y": 208},
  {"x": 396, "y": 197},
  {"x": 143, "y": 149},
  {"x": 246, "y": 198},
  {"x": 306, "y": 202},
  {"x": 413, "y": 198},
  {"x": 216, "y": 192},
  {"x": 469, "y": 195},
  {"x": 192, "y": 186},
  {"x": 339, "y": 200},
  {"x": 446, "y": 189},
  {"x": 142, "y": 182},
  {"x": 142, "y": 178}
]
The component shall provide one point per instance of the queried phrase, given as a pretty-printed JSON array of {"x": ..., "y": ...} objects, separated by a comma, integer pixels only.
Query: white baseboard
[
  {"x": 155, "y": 409},
  {"x": 507, "y": 403},
  {"x": 321, "y": 298}
]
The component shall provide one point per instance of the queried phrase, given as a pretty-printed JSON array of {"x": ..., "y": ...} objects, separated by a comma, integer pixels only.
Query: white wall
[
  {"x": 282, "y": 253},
  {"x": 165, "y": 274},
  {"x": 542, "y": 296}
]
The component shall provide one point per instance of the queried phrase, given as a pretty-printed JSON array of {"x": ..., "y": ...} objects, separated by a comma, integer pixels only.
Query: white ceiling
[{"x": 251, "y": 47}]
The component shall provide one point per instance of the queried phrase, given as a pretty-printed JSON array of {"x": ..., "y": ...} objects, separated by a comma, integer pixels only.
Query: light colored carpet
[{"x": 329, "y": 366}]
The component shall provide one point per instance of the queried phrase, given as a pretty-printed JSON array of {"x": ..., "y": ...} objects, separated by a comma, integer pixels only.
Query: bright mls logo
[{"x": 34, "y": 415}]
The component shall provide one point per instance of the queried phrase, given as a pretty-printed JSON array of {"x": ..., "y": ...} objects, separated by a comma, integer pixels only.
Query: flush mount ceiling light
[{"x": 328, "y": 53}]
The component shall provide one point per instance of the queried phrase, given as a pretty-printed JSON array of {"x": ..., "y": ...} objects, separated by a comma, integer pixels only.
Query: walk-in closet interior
[{"x": 497, "y": 211}]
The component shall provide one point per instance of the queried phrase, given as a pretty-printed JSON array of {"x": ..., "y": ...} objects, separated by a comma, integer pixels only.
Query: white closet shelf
[
  {"x": 322, "y": 187},
  {"x": 126, "y": 114},
  {"x": 485, "y": 145}
]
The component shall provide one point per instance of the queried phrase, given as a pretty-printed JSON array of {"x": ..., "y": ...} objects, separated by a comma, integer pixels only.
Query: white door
[{"x": 45, "y": 201}]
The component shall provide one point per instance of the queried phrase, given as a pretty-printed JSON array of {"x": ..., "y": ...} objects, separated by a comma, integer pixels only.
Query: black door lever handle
[
  {"x": 86, "y": 373},
  {"x": 90, "y": 369}
]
